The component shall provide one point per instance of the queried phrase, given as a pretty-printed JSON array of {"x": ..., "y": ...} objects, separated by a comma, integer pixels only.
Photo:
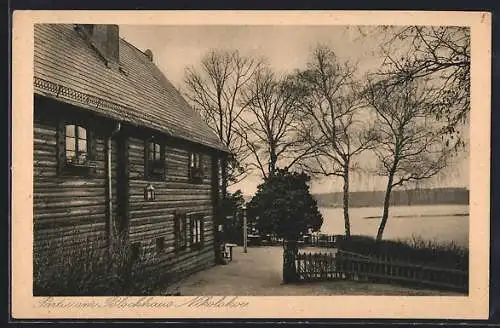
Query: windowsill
[
  {"x": 77, "y": 169},
  {"x": 196, "y": 175},
  {"x": 87, "y": 165},
  {"x": 196, "y": 246},
  {"x": 196, "y": 180}
]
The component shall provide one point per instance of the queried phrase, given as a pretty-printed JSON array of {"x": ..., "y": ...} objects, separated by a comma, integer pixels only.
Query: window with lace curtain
[{"x": 75, "y": 149}]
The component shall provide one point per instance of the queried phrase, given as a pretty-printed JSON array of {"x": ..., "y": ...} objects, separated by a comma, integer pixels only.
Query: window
[
  {"x": 180, "y": 230},
  {"x": 75, "y": 149},
  {"x": 195, "y": 167},
  {"x": 196, "y": 230},
  {"x": 76, "y": 145},
  {"x": 155, "y": 160}
]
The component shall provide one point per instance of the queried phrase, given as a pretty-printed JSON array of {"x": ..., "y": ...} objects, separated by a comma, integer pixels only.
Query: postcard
[{"x": 250, "y": 164}]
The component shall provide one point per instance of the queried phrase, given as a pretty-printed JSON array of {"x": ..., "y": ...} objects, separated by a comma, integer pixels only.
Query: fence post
[
  {"x": 323, "y": 266},
  {"x": 338, "y": 262},
  {"x": 290, "y": 251},
  {"x": 298, "y": 266},
  {"x": 312, "y": 266},
  {"x": 386, "y": 267}
]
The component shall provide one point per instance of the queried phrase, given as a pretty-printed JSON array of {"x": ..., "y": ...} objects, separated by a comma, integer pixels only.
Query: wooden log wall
[
  {"x": 67, "y": 210},
  {"x": 149, "y": 220}
]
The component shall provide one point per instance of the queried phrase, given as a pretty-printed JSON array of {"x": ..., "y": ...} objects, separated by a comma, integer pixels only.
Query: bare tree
[
  {"x": 332, "y": 123},
  {"x": 411, "y": 145},
  {"x": 215, "y": 89},
  {"x": 441, "y": 53},
  {"x": 270, "y": 127}
]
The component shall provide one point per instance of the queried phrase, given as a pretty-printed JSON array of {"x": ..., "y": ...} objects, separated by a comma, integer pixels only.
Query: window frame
[
  {"x": 196, "y": 167},
  {"x": 196, "y": 228},
  {"x": 77, "y": 138},
  {"x": 65, "y": 167},
  {"x": 149, "y": 163}
]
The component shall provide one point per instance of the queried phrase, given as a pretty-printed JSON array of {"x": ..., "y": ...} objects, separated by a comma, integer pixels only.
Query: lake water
[{"x": 440, "y": 223}]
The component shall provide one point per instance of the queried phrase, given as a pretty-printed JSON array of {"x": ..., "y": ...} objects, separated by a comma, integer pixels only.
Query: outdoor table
[{"x": 254, "y": 239}]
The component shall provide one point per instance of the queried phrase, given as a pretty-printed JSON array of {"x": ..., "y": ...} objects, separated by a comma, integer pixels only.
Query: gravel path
[{"x": 259, "y": 273}]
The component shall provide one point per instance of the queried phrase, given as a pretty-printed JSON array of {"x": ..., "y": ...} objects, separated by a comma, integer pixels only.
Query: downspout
[{"x": 109, "y": 182}]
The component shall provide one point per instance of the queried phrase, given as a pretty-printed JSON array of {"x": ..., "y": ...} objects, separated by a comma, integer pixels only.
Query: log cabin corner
[{"x": 117, "y": 150}]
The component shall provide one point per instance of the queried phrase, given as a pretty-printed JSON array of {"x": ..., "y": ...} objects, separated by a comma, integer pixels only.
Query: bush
[
  {"x": 85, "y": 267},
  {"x": 231, "y": 206},
  {"x": 285, "y": 206},
  {"x": 232, "y": 203},
  {"x": 414, "y": 250}
]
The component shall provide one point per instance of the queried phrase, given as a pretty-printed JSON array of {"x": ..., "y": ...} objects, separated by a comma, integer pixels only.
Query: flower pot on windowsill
[{"x": 80, "y": 168}]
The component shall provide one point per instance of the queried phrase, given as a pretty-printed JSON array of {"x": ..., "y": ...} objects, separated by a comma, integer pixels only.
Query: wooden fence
[
  {"x": 324, "y": 241},
  {"x": 350, "y": 266}
]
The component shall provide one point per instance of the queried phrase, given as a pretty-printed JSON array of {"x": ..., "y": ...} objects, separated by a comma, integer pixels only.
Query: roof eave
[{"x": 119, "y": 117}]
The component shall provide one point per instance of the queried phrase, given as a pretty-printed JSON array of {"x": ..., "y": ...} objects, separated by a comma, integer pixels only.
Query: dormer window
[{"x": 155, "y": 160}]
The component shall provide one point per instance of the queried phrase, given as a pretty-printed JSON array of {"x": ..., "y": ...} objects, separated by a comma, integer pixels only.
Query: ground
[{"x": 259, "y": 273}]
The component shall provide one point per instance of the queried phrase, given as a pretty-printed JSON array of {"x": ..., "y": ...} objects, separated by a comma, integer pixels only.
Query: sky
[{"x": 285, "y": 48}]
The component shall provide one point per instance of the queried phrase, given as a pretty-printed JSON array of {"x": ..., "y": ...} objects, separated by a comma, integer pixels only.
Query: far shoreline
[{"x": 417, "y": 216}]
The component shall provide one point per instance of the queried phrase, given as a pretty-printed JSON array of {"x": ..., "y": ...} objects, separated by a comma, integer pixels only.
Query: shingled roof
[{"x": 66, "y": 67}]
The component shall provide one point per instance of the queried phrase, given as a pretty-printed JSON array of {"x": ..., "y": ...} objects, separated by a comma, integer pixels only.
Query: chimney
[
  {"x": 105, "y": 38},
  {"x": 149, "y": 54}
]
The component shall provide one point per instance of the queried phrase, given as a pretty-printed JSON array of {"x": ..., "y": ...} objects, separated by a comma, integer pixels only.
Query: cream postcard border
[{"x": 475, "y": 306}]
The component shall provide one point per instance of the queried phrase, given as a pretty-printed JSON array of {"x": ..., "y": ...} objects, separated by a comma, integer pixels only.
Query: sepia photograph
[{"x": 216, "y": 161}]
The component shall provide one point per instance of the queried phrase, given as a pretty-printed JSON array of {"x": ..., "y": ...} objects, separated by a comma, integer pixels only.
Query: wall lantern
[{"x": 149, "y": 192}]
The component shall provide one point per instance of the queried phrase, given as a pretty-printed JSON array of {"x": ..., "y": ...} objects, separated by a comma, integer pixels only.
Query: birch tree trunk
[
  {"x": 345, "y": 202},
  {"x": 387, "y": 202}
]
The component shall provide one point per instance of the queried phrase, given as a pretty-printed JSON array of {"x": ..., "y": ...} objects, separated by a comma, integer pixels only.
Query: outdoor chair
[{"x": 228, "y": 251}]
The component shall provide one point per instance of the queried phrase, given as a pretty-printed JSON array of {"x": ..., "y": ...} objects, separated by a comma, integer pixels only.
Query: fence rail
[
  {"x": 349, "y": 266},
  {"x": 324, "y": 241}
]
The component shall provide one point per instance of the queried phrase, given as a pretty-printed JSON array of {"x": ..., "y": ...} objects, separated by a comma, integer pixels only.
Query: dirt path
[{"x": 259, "y": 273}]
